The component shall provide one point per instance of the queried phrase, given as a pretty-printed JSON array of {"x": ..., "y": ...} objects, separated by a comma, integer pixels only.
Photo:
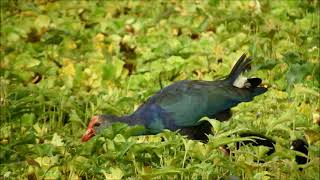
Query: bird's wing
[
  {"x": 184, "y": 102},
  {"x": 188, "y": 101}
]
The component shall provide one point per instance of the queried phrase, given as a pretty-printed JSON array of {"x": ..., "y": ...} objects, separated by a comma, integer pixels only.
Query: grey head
[{"x": 97, "y": 124}]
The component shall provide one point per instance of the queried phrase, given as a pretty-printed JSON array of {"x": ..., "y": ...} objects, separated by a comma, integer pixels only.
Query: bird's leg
[{"x": 223, "y": 115}]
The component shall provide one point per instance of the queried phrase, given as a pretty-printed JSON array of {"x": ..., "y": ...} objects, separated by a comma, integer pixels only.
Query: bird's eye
[{"x": 97, "y": 124}]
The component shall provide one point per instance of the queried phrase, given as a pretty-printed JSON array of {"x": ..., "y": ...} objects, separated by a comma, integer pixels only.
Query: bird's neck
[{"x": 131, "y": 120}]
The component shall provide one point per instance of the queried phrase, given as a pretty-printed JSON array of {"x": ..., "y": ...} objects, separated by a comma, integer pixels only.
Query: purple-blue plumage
[{"x": 182, "y": 104}]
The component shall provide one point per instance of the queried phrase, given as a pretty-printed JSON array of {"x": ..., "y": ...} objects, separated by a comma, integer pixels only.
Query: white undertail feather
[{"x": 241, "y": 82}]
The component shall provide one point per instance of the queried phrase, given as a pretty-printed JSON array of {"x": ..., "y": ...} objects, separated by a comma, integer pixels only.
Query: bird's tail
[
  {"x": 251, "y": 84},
  {"x": 237, "y": 80},
  {"x": 241, "y": 65}
]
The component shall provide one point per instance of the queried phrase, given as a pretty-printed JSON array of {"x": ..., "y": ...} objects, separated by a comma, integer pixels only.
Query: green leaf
[
  {"x": 28, "y": 119},
  {"x": 57, "y": 140},
  {"x": 116, "y": 173},
  {"x": 297, "y": 73}
]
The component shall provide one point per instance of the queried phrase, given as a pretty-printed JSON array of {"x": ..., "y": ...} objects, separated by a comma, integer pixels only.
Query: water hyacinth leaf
[
  {"x": 265, "y": 175},
  {"x": 28, "y": 119},
  {"x": 268, "y": 64},
  {"x": 292, "y": 58},
  {"x": 261, "y": 151},
  {"x": 57, "y": 140},
  {"x": 29, "y": 138},
  {"x": 297, "y": 73},
  {"x": 108, "y": 72},
  {"x": 112, "y": 70},
  {"x": 163, "y": 171},
  {"x": 312, "y": 136},
  {"x": 115, "y": 173},
  {"x": 25, "y": 61},
  {"x": 42, "y": 21},
  {"x": 34, "y": 163},
  {"x": 44, "y": 149},
  {"x": 126, "y": 147}
]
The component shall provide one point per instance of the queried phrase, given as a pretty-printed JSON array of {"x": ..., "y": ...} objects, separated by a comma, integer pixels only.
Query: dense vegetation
[{"x": 64, "y": 61}]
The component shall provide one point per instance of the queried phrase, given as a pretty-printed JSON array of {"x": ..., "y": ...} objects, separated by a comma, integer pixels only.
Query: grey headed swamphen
[
  {"x": 258, "y": 140},
  {"x": 182, "y": 104},
  {"x": 300, "y": 145}
]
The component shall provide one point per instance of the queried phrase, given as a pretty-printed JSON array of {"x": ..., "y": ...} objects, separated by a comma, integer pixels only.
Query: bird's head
[{"x": 97, "y": 124}]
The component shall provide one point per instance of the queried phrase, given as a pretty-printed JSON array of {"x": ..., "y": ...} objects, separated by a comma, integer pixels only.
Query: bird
[
  {"x": 257, "y": 140},
  {"x": 180, "y": 106},
  {"x": 300, "y": 145}
]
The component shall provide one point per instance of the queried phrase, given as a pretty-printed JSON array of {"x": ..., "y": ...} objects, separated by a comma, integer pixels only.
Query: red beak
[
  {"x": 88, "y": 135},
  {"x": 90, "y": 132}
]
